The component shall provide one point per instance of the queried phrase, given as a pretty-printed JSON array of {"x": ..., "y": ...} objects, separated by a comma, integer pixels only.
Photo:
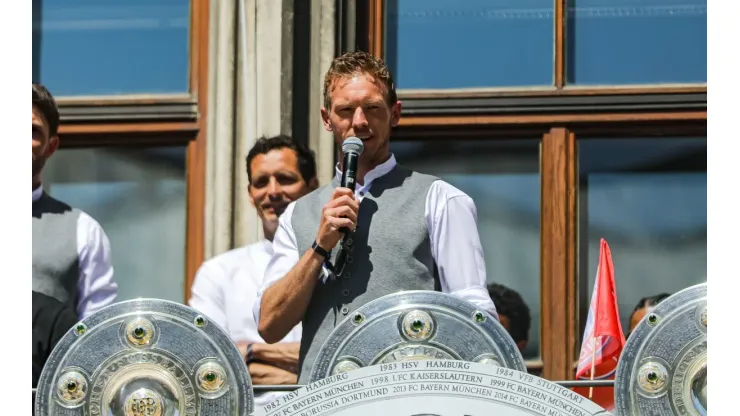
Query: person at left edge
[{"x": 71, "y": 254}]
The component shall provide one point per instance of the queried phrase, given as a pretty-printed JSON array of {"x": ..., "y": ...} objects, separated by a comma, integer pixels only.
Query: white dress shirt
[
  {"x": 95, "y": 285},
  {"x": 226, "y": 286},
  {"x": 451, "y": 219},
  {"x": 225, "y": 289}
]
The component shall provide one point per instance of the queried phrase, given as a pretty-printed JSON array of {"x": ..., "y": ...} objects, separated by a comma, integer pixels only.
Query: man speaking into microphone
[{"x": 399, "y": 229}]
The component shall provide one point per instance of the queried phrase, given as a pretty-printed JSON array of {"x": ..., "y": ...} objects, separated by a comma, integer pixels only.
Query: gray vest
[
  {"x": 390, "y": 252},
  {"x": 55, "y": 257}
]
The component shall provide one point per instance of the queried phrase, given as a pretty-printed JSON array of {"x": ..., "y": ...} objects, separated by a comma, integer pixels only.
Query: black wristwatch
[
  {"x": 250, "y": 354},
  {"x": 317, "y": 248}
]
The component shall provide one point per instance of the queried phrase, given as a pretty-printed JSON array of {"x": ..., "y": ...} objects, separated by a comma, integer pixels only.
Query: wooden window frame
[
  {"x": 148, "y": 120},
  {"x": 560, "y": 116},
  {"x": 561, "y": 101}
]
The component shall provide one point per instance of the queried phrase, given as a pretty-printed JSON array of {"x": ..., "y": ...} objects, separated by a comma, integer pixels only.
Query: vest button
[
  {"x": 345, "y": 292},
  {"x": 347, "y": 275},
  {"x": 349, "y": 242},
  {"x": 345, "y": 310},
  {"x": 349, "y": 259}
]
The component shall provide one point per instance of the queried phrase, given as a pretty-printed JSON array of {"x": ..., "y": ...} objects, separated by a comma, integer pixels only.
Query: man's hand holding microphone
[{"x": 339, "y": 215}]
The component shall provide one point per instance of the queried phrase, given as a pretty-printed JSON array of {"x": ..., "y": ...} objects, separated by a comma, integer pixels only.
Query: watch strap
[{"x": 317, "y": 248}]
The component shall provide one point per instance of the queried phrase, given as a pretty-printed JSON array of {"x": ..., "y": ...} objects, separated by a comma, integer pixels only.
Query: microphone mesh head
[{"x": 352, "y": 145}]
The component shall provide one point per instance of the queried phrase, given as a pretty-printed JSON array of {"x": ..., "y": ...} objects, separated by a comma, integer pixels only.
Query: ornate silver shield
[
  {"x": 432, "y": 388},
  {"x": 416, "y": 325},
  {"x": 663, "y": 367},
  {"x": 145, "y": 357}
]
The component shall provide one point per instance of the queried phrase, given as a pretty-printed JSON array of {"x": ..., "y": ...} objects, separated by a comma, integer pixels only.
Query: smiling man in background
[{"x": 280, "y": 171}]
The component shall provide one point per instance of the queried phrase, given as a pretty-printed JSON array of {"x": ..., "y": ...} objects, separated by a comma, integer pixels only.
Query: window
[
  {"x": 648, "y": 199},
  {"x": 138, "y": 196},
  {"x": 438, "y": 44},
  {"x": 636, "y": 41},
  {"x": 130, "y": 77},
  {"x": 489, "y": 69},
  {"x": 502, "y": 177},
  {"x": 88, "y": 47}
]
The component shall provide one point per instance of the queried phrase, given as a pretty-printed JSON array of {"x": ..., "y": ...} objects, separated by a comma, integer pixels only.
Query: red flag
[{"x": 603, "y": 338}]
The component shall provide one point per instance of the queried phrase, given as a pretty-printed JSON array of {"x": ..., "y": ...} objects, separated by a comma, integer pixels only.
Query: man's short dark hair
[
  {"x": 44, "y": 101},
  {"x": 650, "y": 301},
  {"x": 510, "y": 303},
  {"x": 306, "y": 160}
]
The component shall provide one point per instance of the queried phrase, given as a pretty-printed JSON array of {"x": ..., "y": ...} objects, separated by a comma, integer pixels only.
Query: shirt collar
[
  {"x": 37, "y": 192},
  {"x": 374, "y": 174}
]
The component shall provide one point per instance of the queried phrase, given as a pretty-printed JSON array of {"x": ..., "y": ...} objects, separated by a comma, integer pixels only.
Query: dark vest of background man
[
  {"x": 51, "y": 320},
  {"x": 72, "y": 272}
]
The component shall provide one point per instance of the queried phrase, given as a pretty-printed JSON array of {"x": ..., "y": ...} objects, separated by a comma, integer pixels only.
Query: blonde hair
[{"x": 353, "y": 63}]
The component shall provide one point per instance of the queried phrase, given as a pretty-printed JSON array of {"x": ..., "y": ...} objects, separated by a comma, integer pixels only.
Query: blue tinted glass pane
[
  {"x": 648, "y": 199},
  {"x": 637, "y": 41},
  {"x": 93, "y": 47},
  {"x": 433, "y": 44},
  {"x": 139, "y": 198},
  {"x": 502, "y": 178}
]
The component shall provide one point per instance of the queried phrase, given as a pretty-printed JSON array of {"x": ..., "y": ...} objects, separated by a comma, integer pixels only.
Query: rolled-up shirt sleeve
[
  {"x": 453, "y": 231},
  {"x": 284, "y": 257},
  {"x": 95, "y": 284}
]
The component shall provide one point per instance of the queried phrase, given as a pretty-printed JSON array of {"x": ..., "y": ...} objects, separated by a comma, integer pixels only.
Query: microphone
[{"x": 352, "y": 149}]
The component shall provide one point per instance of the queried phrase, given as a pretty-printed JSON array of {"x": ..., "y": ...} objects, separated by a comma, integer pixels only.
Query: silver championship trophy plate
[
  {"x": 663, "y": 367},
  {"x": 145, "y": 357},
  {"x": 416, "y": 325},
  {"x": 432, "y": 388}
]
